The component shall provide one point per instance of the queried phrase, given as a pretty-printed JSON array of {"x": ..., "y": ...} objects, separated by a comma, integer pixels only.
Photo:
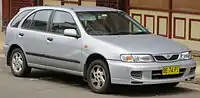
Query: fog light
[
  {"x": 192, "y": 71},
  {"x": 192, "y": 78},
  {"x": 136, "y": 74}
]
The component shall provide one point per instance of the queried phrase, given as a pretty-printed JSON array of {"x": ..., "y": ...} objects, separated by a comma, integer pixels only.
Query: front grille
[
  {"x": 163, "y": 58},
  {"x": 157, "y": 74}
]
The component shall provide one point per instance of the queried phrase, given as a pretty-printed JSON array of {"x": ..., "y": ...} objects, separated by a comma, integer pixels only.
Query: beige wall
[
  {"x": 88, "y": 3},
  {"x": 58, "y": 2},
  {"x": 51, "y": 2},
  {"x": 150, "y": 20},
  {"x": 182, "y": 25}
]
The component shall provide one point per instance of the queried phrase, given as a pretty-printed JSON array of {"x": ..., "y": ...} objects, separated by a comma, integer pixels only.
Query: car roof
[{"x": 74, "y": 8}]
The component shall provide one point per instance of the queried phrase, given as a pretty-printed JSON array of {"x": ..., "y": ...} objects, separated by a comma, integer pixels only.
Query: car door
[
  {"x": 62, "y": 51},
  {"x": 33, "y": 32}
]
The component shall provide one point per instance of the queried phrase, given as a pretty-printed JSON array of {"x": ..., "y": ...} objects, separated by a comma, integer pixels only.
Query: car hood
[{"x": 148, "y": 43}]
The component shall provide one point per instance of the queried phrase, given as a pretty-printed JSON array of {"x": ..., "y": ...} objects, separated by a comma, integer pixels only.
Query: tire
[
  {"x": 18, "y": 63},
  {"x": 95, "y": 78}
]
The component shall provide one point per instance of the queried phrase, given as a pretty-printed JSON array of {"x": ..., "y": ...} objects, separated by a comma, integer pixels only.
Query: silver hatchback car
[{"x": 103, "y": 45}]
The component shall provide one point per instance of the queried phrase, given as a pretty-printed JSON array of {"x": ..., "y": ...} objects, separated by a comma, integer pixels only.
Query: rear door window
[
  {"x": 18, "y": 19},
  {"x": 40, "y": 20},
  {"x": 28, "y": 21}
]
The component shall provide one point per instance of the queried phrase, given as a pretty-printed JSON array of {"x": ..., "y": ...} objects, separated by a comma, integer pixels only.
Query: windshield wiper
[
  {"x": 120, "y": 33},
  {"x": 129, "y": 33},
  {"x": 143, "y": 32}
]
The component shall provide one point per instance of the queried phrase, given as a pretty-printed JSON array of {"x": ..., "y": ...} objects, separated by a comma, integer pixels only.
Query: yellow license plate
[{"x": 171, "y": 70}]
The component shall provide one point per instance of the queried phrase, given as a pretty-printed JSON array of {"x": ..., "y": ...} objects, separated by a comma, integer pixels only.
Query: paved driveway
[{"x": 44, "y": 84}]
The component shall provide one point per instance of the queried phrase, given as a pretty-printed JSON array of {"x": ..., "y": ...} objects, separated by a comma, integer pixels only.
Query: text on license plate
[{"x": 171, "y": 70}]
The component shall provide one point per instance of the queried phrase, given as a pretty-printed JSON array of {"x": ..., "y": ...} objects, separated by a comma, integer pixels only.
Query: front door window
[{"x": 61, "y": 21}]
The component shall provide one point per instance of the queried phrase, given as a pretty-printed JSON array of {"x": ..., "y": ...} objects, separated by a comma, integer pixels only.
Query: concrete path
[{"x": 43, "y": 84}]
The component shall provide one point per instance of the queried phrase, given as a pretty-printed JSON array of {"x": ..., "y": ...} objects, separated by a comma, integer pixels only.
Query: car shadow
[
  {"x": 117, "y": 90},
  {"x": 56, "y": 77},
  {"x": 148, "y": 91}
]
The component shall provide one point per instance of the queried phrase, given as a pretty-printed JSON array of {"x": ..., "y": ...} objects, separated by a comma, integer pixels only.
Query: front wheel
[{"x": 98, "y": 76}]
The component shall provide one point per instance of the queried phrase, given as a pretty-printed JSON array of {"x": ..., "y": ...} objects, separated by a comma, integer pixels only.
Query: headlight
[
  {"x": 137, "y": 58},
  {"x": 186, "y": 56}
]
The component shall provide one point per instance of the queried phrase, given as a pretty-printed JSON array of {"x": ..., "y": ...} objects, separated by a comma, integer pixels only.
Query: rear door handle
[
  {"x": 21, "y": 34},
  {"x": 49, "y": 38}
]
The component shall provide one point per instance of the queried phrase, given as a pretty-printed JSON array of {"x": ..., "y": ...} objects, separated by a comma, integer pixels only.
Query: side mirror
[{"x": 71, "y": 33}]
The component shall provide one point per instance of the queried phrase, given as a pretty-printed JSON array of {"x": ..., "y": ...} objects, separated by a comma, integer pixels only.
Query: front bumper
[
  {"x": 5, "y": 49},
  {"x": 120, "y": 72}
]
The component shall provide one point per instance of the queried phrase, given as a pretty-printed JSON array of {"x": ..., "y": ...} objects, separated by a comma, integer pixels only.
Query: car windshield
[{"x": 110, "y": 23}]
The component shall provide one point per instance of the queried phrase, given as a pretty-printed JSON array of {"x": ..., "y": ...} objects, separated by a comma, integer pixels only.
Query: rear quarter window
[{"x": 18, "y": 19}]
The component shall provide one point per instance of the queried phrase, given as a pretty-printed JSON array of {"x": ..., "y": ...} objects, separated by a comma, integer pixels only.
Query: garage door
[{"x": 11, "y": 7}]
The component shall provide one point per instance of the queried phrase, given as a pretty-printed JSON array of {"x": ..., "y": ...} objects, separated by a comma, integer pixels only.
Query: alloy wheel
[
  {"x": 97, "y": 76},
  {"x": 17, "y": 62}
]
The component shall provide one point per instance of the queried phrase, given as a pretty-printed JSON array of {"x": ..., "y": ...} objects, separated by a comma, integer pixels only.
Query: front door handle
[
  {"x": 21, "y": 34},
  {"x": 49, "y": 38}
]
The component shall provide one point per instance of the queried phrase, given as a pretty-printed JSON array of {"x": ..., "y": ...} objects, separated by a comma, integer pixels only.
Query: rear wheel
[
  {"x": 98, "y": 76},
  {"x": 18, "y": 63}
]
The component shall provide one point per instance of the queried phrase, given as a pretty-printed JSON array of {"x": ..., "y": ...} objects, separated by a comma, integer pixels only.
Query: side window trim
[
  {"x": 25, "y": 18},
  {"x": 51, "y": 21},
  {"x": 52, "y": 18},
  {"x": 31, "y": 21},
  {"x": 30, "y": 10},
  {"x": 20, "y": 25}
]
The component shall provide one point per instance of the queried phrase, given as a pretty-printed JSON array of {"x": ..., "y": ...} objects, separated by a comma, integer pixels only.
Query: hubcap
[
  {"x": 97, "y": 76},
  {"x": 17, "y": 62}
]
